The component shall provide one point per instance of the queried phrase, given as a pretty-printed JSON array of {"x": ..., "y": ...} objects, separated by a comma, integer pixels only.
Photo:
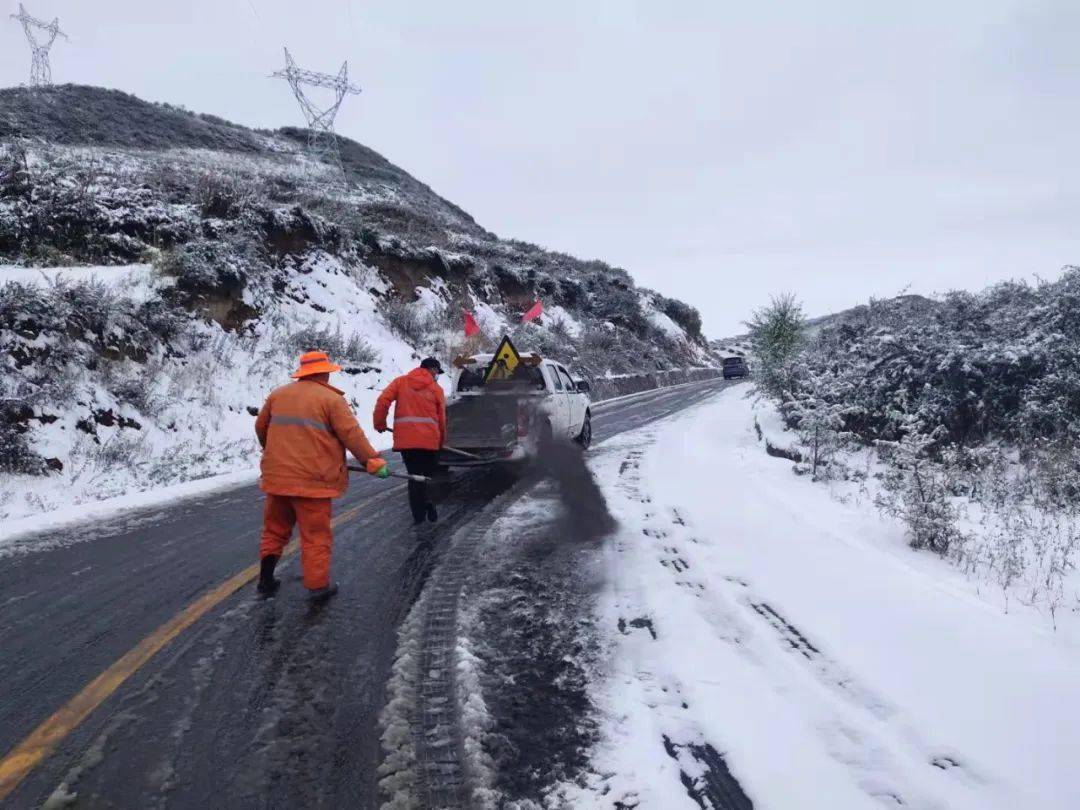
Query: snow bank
[{"x": 796, "y": 637}]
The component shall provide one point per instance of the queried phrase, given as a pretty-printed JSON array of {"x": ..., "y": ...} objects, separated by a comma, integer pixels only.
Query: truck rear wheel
[{"x": 585, "y": 437}]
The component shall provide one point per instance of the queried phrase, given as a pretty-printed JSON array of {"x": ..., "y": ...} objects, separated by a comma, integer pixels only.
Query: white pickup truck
[{"x": 506, "y": 420}]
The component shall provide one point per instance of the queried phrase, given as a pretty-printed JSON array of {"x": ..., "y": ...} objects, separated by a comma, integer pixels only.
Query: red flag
[
  {"x": 471, "y": 326},
  {"x": 536, "y": 311}
]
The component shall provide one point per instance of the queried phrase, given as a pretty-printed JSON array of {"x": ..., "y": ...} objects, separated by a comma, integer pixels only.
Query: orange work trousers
[{"x": 280, "y": 514}]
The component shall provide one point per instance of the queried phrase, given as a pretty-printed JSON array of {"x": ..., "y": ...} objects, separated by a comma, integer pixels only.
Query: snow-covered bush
[
  {"x": 408, "y": 319},
  {"x": 819, "y": 424},
  {"x": 973, "y": 401},
  {"x": 16, "y": 454},
  {"x": 683, "y": 314},
  {"x": 49, "y": 332},
  {"x": 776, "y": 334},
  {"x": 221, "y": 195},
  {"x": 916, "y": 490},
  {"x": 349, "y": 349},
  {"x": 14, "y": 171}
]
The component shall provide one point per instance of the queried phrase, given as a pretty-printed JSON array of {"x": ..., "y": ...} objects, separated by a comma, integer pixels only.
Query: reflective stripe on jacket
[
  {"x": 305, "y": 428},
  {"x": 419, "y": 412}
]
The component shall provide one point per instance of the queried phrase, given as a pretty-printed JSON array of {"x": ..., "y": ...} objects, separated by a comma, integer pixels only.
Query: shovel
[
  {"x": 420, "y": 479},
  {"x": 461, "y": 452}
]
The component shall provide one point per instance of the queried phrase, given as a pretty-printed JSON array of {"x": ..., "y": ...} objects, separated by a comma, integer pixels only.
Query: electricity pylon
[
  {"x": 322, "y": 139},
  {"x": 40, "y": 71}
]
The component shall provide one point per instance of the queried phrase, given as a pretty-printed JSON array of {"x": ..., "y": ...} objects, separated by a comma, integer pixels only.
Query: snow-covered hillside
[
  {"x": 187, "y": 261},
  {"x": 187, "y": 410}
]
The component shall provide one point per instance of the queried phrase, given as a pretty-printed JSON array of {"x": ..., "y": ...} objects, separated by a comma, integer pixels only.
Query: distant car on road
[
  {"x": 508, "y": 420},
  {"x": 735, "y": 367}
]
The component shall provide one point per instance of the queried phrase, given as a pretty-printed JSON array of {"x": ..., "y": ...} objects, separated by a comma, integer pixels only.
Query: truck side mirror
[{"x": 582, "y": 386}]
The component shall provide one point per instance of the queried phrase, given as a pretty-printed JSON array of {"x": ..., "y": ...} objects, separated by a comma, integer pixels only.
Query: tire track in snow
[
  {"x": 703, "y": 770},
  {"x": 873, "y": 763}
]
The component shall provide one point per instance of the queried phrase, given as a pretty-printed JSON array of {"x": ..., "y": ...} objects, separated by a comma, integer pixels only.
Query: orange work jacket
[
  {"x": 420, "y": 412},
  {"x": 304, "y": 428}
]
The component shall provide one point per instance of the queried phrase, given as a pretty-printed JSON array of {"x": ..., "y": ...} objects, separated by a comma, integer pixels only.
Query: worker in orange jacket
[
  {"x": 304, "y": 429},
  {"x": 419, "y": 428}
]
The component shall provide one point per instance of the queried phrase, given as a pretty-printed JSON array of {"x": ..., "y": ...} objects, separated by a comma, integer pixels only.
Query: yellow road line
[{"x": 42, "y": 741}]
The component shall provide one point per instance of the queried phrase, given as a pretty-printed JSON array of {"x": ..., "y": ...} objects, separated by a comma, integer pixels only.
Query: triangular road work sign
[{"x": 504, "y": 362}]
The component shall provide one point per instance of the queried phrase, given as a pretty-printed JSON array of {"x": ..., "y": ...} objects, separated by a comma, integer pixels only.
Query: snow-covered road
[
  {"x": 748, "y": 614},
  {"x": 744, "y": 638}
]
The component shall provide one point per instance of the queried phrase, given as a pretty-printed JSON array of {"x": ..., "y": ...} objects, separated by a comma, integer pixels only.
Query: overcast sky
[{"x": 720, "y": 151}]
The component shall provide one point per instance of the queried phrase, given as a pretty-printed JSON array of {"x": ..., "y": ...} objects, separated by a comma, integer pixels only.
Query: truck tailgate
[{"x": 487, "y": 421}]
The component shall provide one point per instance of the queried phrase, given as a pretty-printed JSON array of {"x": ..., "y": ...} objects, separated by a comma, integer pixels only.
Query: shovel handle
[
  {"x": 420, "y": 479},
  {"x": 450, "y": 449}
]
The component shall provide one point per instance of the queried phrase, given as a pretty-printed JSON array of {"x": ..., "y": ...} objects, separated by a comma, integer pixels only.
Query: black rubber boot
[
  {"x": 432, "y": 515},
  {"x": 268, "y": 585},
  {"x": 322, "y": 594}
]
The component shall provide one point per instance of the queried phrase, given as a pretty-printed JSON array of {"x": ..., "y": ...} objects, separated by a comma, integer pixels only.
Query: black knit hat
[{"x": 431, "y": 364}]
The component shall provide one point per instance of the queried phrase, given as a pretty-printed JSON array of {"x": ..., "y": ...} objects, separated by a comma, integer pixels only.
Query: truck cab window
[
  {"x": 568, "y": 383},
  {"x": 556, "y": 382}
]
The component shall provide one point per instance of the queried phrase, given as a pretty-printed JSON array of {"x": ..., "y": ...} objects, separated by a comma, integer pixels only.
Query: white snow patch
[
  {"x": 115, "y": 275},
  {"x": 489, "y": 320},
  {"x": 829, "y": 664},
  {"x": 399, "y": 775},
  {"x": 475, "y": 723},
  {"x": 665, "y": 324},
  {"x": 556, "y": 314},
  {"x": 660, "y": 320}
]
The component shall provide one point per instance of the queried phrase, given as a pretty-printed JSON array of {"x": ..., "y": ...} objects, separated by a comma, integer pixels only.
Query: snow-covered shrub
[
  {"x": 222, "y": 196},
  {"x": 974, "y": 403},
  {"x": 619, "y": 303},
  {"x": 14, "y": 171},
  {"x": 1029, "y": 517},
  {"x": 16, "y": 454},
  {"x": 409, "y": 320},
  {"x": 776, "y": 333},
  {"x": 349, "y": 349},
  {"x": 547, "y": 342},
  {"x": 916, "y": 491},
  {"x": 133, "y": 384},
  {"x": 205, "y": 265},
  {"x": 37, "y": 344},
  {"x": 820, "y": 427},
  {"x": 1000, "y": 364},
  {"x": 164, "y": 320},
  {"x": 598, "y": 341},
  {"x": 683, "y": 314}
]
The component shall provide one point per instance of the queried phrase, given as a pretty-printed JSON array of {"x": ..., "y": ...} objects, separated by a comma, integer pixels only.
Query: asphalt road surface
[{"x": 258, "y": 703}]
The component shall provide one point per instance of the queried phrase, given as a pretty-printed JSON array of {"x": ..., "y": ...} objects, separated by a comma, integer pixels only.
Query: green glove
[{"x": 384, "y": 471}]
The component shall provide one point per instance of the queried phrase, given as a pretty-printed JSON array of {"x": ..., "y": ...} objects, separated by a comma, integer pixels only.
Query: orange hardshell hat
[{"x": 315, "y": 363}]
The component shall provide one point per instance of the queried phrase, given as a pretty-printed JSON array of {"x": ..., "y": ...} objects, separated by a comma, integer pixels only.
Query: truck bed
[
  {"x": 485, "y": 426},
  {"x": 483, "y": 422}
]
